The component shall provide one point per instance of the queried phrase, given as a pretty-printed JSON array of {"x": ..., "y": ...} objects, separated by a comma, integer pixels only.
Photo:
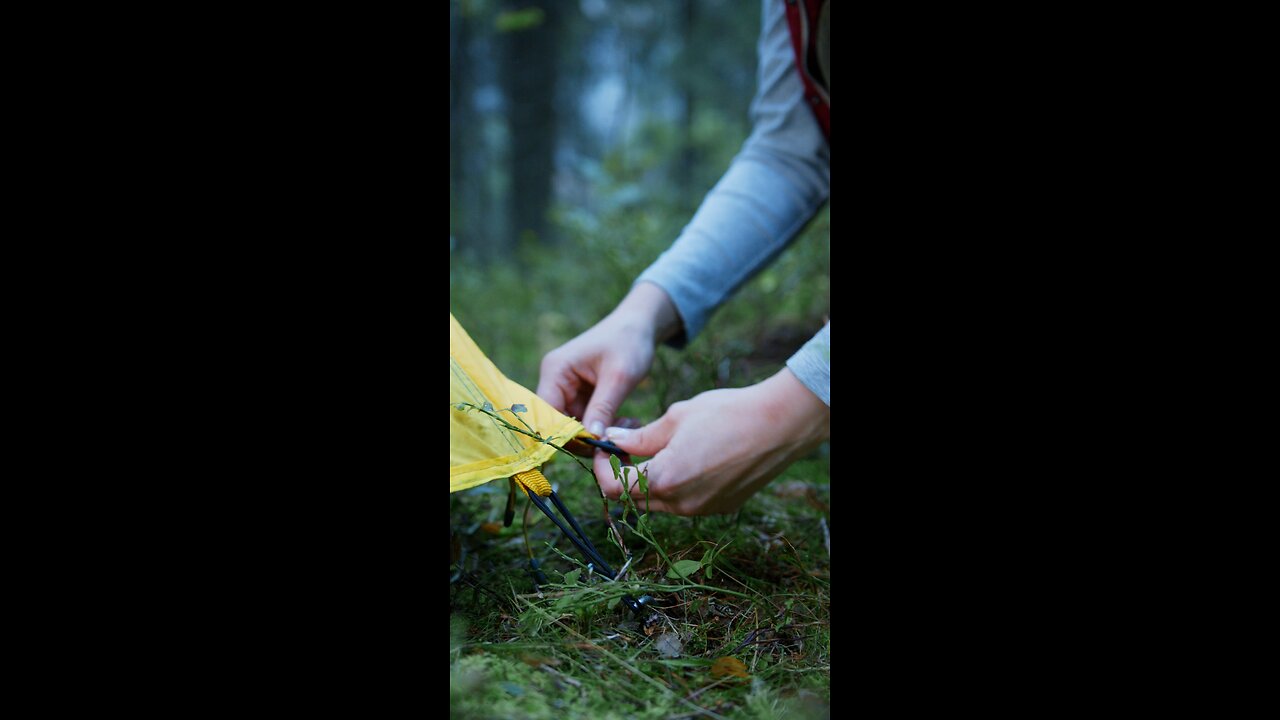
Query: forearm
[
  {"x": 774, "y": 186},
  {"x": 742, "y": 226}
]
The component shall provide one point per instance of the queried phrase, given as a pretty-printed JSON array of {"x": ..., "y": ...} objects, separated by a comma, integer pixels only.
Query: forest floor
[{"x": 738, "y": 624}]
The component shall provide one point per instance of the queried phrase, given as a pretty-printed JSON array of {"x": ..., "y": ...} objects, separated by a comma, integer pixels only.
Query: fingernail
[
  {"x": 597, "y": 428},
  {"x": 617, "y": 432}
]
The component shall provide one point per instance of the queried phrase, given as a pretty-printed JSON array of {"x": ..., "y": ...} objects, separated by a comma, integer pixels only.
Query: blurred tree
[
  {"x": 473, "y": 108},
  {"x": 457, "y": 83},
  {"x": 565, "y": 107},
  {"x": 689, "y": 153},
  {"x": 530, "y": 50}
]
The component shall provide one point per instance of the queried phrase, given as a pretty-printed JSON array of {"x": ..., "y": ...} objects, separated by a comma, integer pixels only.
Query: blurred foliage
[
  {"x": 514, "y": 20},
  {"x": 657, "y": 90}
]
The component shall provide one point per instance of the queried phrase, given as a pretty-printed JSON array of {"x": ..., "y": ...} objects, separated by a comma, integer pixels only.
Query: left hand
[{"x": 713, "y": 452}]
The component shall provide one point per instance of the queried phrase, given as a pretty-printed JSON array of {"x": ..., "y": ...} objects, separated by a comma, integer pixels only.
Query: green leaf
[
  {"x": 709, "y": 559},
  {"x": 513, "y": 689},
  {"x": 515, "y": 20},
  {"x": 727, "y": 666},
  {"x": 571, "y": 577},
  {"x": 617, "y": 467},
  {"x": 614, "y": 603},
  {"x": 684, "y": 569}
]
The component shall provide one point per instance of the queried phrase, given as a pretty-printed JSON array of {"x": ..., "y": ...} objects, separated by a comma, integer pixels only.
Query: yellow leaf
[
  {"x": 729, "y": 666},
  {"x": 538, "y": 661}
]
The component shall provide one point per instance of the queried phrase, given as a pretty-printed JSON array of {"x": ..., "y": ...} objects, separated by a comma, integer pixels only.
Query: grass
[
  {"x": 756, "y": 589},
  {"x": 755, "y": 586}
]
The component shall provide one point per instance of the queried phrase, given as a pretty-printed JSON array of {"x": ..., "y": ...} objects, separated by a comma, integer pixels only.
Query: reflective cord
[{"x": 535, "y": 484}]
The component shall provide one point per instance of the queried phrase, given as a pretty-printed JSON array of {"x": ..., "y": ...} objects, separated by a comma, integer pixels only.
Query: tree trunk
[
  {"x": 688, "y": 153},
  {"x": 455, "y": 108},
  {"x": 530, "y": 74}
]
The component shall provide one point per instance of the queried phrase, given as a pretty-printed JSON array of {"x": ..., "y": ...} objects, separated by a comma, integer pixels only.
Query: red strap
[{"x": 812, "y": 10}]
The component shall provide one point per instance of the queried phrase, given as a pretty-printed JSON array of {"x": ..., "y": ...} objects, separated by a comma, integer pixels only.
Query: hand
[
  {"x": 589, "y": 376},
  {"x": 713, "y": 452}
]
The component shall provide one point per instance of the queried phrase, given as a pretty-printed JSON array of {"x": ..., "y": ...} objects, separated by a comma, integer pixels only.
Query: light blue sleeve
[
  {"x": 812, "y": 364},
  {"x": 776, "y": 183}
]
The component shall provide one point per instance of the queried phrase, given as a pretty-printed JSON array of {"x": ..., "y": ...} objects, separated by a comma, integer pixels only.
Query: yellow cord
[{"x": 534, "y": 482}]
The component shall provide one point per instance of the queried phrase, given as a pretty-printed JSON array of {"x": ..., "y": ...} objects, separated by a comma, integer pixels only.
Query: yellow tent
[
  {"x": 492, "y": 421},
  {"x": 482, "y": 447}
]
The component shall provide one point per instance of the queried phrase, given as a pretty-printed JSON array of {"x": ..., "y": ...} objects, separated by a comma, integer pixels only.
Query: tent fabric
[{"x": 481, "y": 449}]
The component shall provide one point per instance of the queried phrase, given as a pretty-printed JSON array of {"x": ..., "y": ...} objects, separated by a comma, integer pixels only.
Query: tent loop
[{"x": 533, "y": 481}]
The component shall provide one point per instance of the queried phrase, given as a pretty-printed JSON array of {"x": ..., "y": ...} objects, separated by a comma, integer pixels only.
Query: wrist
[
  {"x": 649, "y": 310},
  {"x": 795, "y": 406}
]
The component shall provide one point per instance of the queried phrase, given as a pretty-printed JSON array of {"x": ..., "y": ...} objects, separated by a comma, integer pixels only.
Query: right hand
[{"x": 589, "y": 376}]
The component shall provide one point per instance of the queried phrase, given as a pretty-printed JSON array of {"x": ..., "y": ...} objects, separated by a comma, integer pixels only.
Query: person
[{"x": 710, "y": 453}]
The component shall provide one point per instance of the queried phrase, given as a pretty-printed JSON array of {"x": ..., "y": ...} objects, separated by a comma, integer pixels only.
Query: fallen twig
[
  {"x": 698, "y": 692},
  {"x": 562, "y": 676},
  {"x": 629, "y": 667}
]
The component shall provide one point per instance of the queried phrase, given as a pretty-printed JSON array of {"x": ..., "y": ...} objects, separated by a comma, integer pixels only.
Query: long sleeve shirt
[{"x": 773, "y": 187}]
